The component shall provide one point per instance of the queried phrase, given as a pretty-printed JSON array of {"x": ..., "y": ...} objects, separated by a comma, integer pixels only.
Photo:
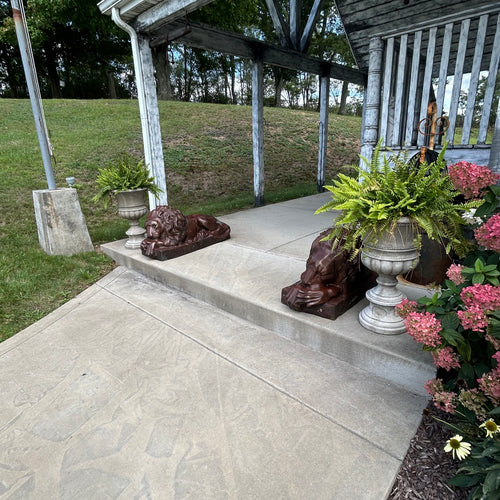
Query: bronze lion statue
[
  {"x": 331, "y": 282},
  {"x": 170, "y": 233}
]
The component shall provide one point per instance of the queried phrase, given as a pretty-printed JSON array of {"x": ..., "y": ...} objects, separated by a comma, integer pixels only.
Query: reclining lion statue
[
  {"x": 170, "y": 233},
  {"x": 331, "y": 283}
]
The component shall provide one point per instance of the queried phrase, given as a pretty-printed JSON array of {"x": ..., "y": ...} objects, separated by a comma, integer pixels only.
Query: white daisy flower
[
  {"x": 490, "y": 427},
  {"x": 458, "y": 447}
]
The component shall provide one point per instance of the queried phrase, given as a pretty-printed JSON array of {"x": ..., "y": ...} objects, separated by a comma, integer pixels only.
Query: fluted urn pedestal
[
  {"x": 392, "y": 254},
  {"x": 132, "y": 206}
]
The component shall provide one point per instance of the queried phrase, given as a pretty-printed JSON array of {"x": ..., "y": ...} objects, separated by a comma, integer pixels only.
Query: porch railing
[{"x": 446, "y": 63}]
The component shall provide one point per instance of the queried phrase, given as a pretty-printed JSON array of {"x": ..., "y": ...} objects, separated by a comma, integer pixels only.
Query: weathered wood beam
[
  {"x": 312, "y": 20},
  {"x": 457, "y": 80},
  {"x": 279, "y": 23},
  {"x": 258, "y": 130},
  {"x": 150, "y": 119},
  {"x": 324, "y": 108},
  {"x": 400, "y": 85},
  {"x": 210, "y": 38},
  {"x": 490, "y": 89},
  {"x": 148, "y": 107},
  {"x": 165, "y": 12},
  {"x": 474, "y": 79},
  {"x": 295, "y": 23},
  {"x": 412, "y": 95}
]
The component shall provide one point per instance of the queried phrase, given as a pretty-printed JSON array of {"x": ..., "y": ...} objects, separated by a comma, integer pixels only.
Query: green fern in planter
[
  {"x": 390, "y": 188},
  {"x": 124, "y": 174}
]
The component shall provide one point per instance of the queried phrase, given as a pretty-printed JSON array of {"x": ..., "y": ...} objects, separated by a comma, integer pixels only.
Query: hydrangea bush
[{"x": 460, "y": 327}]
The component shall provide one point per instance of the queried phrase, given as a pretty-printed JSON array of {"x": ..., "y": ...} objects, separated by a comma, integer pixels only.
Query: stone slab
[{"x": 60, "y": 222}]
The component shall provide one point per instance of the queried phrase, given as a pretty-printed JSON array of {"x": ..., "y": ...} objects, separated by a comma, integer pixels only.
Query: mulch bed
[{"x": 426, "y": 467}]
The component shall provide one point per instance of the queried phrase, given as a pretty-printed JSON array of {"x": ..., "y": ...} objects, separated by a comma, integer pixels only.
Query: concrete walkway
[{"x": 137, "y": 390}]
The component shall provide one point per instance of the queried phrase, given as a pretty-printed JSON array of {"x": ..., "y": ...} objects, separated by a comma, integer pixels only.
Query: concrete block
[{"x": 60, "y": 222}]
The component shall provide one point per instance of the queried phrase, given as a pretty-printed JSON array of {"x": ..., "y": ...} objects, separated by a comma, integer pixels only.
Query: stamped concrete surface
[{"x": 136, "y": 390}]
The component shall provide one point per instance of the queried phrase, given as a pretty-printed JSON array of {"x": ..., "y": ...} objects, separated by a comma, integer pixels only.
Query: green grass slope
[{"x": 209, "y": 166}]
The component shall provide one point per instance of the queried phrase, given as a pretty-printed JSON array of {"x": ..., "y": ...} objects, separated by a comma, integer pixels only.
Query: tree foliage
[{"x": 80, "y": 53}]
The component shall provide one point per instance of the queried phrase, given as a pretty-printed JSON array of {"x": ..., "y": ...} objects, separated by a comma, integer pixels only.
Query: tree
[{"x": 78, "y": 51}]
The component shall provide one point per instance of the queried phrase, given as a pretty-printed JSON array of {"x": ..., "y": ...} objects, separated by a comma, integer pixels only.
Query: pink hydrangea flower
[
  {"x": 473, "y": 318},
  {"x": 487, "y": 297},
  {"x": 424, "y": 328},
  {"x": 489, "y": 383},
  {"x": 405, "y": 307},
  {"x": 496, "y": 357},
  {"x": 446, "y": 358},
  {"x": 475, "y": 401},
  {"x": 470, "y": 179},
  {"x": 442, "y": 399},
  {"x": 454, "y": 273},
  {"x": 488, "y": 234}
]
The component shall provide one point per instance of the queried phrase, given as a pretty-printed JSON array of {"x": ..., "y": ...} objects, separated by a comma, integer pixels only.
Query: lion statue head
[{"x": 167, "y": 225}]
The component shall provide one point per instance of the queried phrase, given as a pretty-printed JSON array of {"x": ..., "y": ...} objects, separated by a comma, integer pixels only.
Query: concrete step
[{"x": 244, "y": 276}]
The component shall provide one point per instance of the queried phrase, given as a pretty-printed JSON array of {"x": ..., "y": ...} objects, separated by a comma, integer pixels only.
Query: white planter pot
[
  {"x": 394, "y": 253},
  {"x": 132, "y": 206}
]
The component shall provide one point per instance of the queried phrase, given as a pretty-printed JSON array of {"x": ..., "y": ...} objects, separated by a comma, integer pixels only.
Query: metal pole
[{"x": 34, "y": 91}]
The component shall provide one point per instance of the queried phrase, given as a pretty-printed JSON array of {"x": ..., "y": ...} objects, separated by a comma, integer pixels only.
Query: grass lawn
[{"x": 209, "y": 165}]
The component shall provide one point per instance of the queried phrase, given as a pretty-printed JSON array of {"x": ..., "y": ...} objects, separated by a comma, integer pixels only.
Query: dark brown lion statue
[
  {"x": 167, "y": 227},
  {"x": 331, "y": 282}
]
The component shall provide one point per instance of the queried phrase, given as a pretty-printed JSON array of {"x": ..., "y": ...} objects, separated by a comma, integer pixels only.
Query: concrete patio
[{"x": 189, "y": 379}]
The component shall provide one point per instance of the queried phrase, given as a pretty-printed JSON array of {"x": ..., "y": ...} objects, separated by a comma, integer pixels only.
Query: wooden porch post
[
  {"x": 324, "y": 101},
  {"x": 148, "y": 107},
  {"x": 371, "y": 106},
  {"x": 258, "y": 130},
  {"x": 150, "y": 119}
]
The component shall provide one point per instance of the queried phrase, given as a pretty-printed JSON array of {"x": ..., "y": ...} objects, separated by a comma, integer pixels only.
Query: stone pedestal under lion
[{"x": 171, "y": 234}]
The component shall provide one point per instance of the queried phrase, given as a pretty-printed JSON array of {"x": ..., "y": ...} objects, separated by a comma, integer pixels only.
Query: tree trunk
[
  {"x": 278, "y": 85},
  {"x": 111, "y": 85},
  {"x": 51, "y": 65},
  {"x": 233, "y": 81},
  {"x": 343, "y": 98},
  {"x": 162, "y": 73}
]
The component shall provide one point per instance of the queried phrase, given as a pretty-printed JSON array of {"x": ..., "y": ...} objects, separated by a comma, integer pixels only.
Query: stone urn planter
[
  {"x": 132, "y": 206},
  {"x": 385, "y": 207},
  {"x": 127, "y": 180},
  {"x": 393, "y": 253}
]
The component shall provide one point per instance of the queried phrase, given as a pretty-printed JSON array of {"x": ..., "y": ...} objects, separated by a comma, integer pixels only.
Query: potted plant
[
  {"x": 128, "y": 180},
  {"x": 385, "y": 209}
]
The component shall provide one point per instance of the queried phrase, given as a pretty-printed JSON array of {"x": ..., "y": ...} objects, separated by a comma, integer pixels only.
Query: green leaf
[
  {"x": 478, "y": 279},
  {"x": 465, "y": 480},
  {"x": 492, "y": 482},
  {"x": 450, "y": 321},
  {"x": 479, "y": 266},
  {"x": 486, "y": 208},
  {"x": 494, "y": 328},
  {"x": 452, "y": 337},
  {"x": 466, "y": 372},
  {"x": 465, "y": 350}
]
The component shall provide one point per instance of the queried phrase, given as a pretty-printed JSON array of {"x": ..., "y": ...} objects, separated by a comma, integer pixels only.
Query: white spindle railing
[{"x": 410, "y": 80}]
